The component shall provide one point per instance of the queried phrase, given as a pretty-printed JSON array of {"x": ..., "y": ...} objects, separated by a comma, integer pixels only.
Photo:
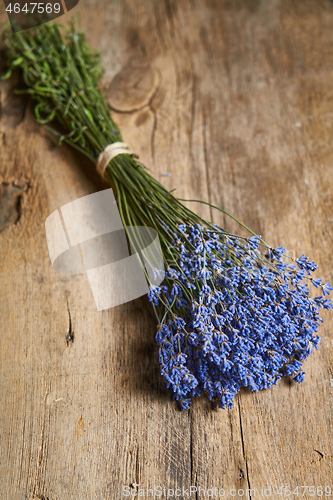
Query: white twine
[{"x": 112, "y": 150}]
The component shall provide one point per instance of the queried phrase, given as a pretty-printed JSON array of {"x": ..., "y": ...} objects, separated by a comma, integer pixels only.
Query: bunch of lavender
[{"x": 231, "y": 313}]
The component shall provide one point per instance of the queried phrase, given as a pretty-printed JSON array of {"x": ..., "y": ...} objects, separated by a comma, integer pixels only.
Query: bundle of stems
[{"x": 229, "y": 315}]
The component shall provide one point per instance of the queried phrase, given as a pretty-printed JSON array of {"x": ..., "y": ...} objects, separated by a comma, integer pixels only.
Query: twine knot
[{"x": 112, "y": 150}]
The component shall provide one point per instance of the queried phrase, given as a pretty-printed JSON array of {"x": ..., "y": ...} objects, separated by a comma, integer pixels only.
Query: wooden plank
[{"x": 233, "y": 101}]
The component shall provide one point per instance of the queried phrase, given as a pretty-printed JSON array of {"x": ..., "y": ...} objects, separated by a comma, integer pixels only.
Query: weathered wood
[{"x": 232, "y": 100}]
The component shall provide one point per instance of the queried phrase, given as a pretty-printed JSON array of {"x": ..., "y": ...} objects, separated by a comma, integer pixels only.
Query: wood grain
[{"x": 228, "y": 101}]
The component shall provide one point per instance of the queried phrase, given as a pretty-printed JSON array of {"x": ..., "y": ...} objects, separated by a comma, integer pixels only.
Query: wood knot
[
  {"x": 10, "y": 202},
  {"x": 134, "y": 86}
]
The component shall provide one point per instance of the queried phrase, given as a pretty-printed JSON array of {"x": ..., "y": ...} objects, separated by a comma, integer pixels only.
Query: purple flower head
[{"x": 235, "y": 318}]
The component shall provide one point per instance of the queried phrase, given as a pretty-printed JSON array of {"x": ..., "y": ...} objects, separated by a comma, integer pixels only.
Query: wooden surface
[{"x": 233, "y": 100}]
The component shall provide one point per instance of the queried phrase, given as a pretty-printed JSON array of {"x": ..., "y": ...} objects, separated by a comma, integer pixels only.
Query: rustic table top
[{"x": 226, "y": 101}]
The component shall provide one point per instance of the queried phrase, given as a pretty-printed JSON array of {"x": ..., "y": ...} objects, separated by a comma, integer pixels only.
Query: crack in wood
[
  {"x": 243, "y": 450},
  {"x": 192, "y": 116},
  {"x": 152, "y": 141},
  {"x": 70, "y": 331},
  {"x": 204, "y": 138},
  {"x": 137, "y": 466},
  {"x": 42, "y": 454},
  {"x": 191, "y": 445}
]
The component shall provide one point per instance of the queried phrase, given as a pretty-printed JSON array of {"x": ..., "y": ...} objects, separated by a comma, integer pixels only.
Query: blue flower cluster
[{"x": 233, "y": 316}]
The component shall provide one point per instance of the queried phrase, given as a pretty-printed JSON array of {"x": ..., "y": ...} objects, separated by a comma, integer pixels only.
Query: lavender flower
[{"x": 233, "y": 318}]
